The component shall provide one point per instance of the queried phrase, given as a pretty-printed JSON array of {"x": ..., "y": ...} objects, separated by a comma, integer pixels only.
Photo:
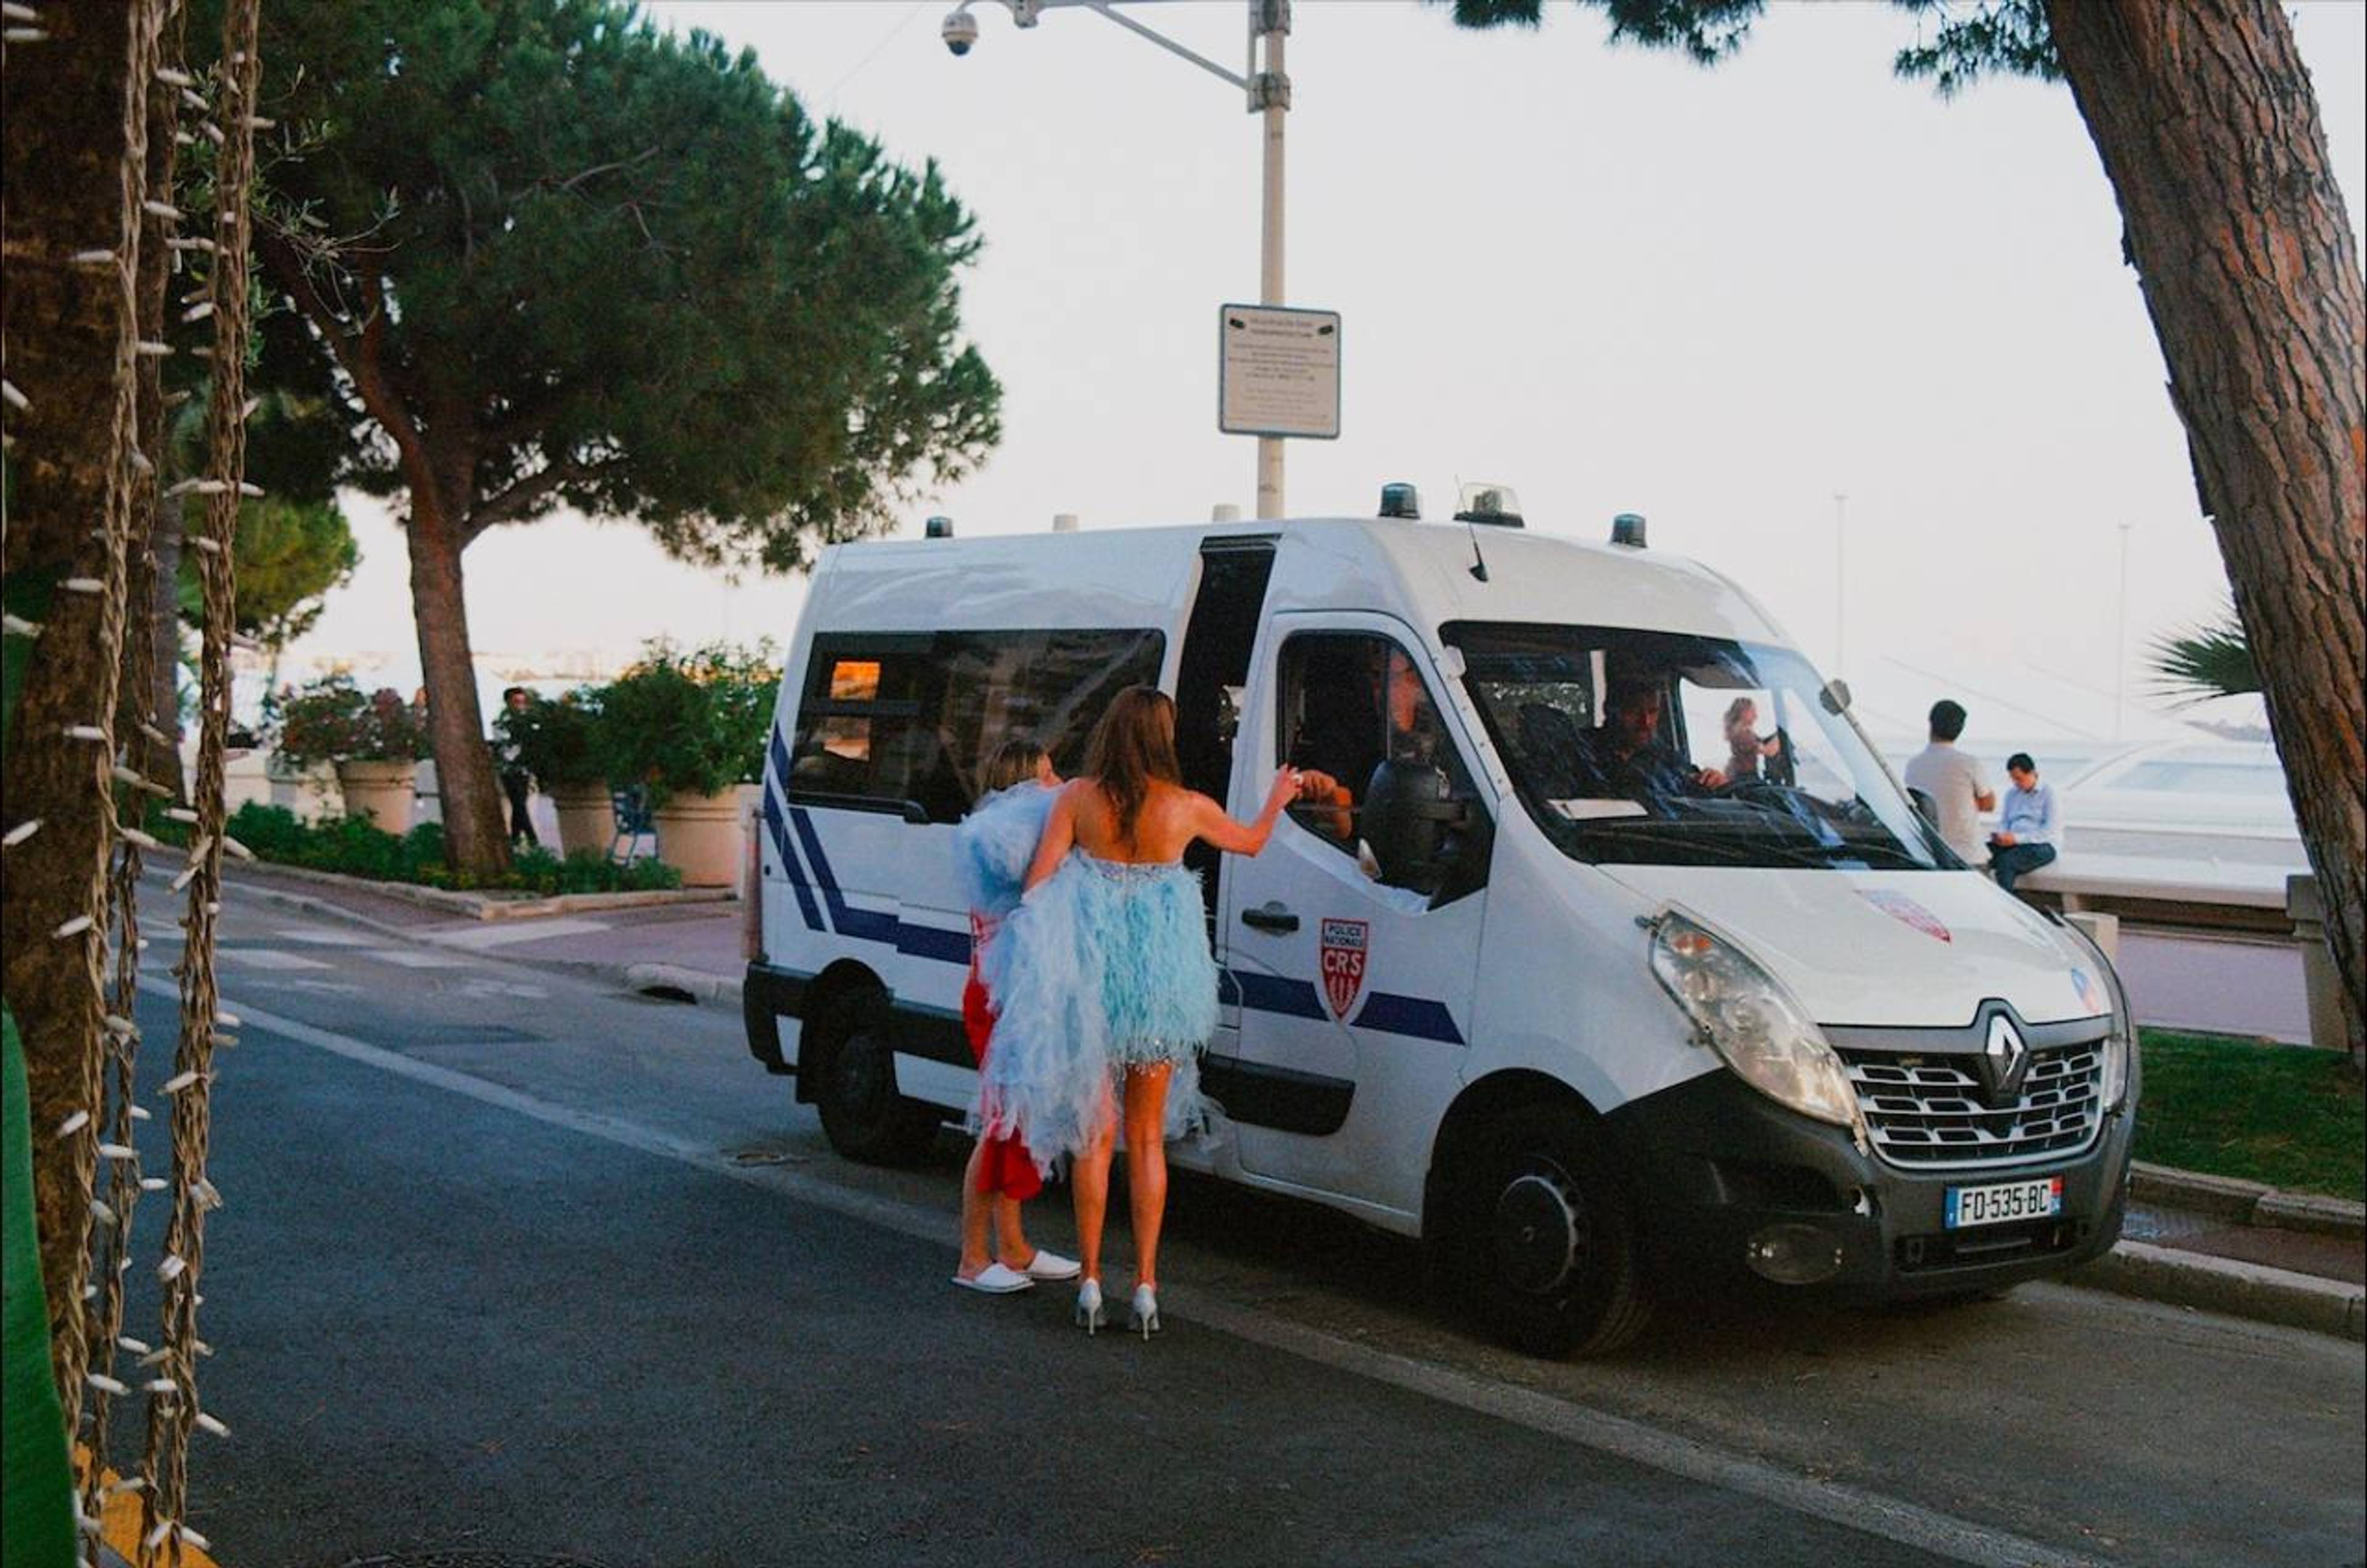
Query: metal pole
[
  {"x": 1271, "y": 88},
  {"x": 2120, "y": 640},
  {"x": 1841, "y": 536}
]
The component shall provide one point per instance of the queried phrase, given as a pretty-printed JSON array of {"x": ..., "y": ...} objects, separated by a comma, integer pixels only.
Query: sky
[{"x": 1605, "y": 277}]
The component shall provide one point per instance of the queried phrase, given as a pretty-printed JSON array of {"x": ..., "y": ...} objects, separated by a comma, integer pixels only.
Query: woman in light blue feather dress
[{"x": 1103, "y": 975}]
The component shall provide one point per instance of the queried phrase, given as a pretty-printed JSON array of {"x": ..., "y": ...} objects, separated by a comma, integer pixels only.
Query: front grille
[
  {"x": 1927, "y": 1112},
  {"x": 1989, "y": 1245}
]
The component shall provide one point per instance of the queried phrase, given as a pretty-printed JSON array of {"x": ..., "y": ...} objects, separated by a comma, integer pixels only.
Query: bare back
[{"x": 1171, "y": 818}]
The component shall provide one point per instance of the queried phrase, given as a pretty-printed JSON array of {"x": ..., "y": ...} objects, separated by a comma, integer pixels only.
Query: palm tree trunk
[
  {"x": 74, "y": 169},
  {"x": 2208, "y": 129}
]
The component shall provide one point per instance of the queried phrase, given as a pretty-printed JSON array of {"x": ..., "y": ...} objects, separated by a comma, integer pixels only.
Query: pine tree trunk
[
  {"x": 2209, "y": 132},
  {"x": 73, "y": 169},
  {"x": 474, "y": 836}
]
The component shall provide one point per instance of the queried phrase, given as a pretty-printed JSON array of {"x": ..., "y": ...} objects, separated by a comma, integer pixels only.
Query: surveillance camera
[{"x": 960, "y": 31}]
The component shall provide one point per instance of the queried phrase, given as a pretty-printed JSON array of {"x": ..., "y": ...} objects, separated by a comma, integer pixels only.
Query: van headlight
[
  {"x": 1764, "y": 1036},
  {"x": 2121, "y": 1044}
]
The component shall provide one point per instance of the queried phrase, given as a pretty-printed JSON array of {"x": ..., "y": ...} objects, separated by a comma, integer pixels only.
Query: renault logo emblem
[{"x": 2005, "y": 1058}]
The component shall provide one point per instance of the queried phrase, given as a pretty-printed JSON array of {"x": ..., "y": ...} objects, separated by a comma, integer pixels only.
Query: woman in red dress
[{"x": 991, "y": 848}]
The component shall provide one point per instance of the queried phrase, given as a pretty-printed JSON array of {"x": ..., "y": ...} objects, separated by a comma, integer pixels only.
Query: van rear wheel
[
  {"x": 862, "y": 1113},
  {"x": 1546, "y": 1238}
]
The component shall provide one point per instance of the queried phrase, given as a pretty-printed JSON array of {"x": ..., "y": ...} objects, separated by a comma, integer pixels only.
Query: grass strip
[{"x": 2288, "y": 1115}]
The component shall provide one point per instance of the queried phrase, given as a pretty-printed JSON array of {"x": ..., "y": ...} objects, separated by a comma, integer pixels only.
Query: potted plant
[
  {"x": 557, "y": 742},
  {"x": 374, "y": 741},
  {"x": 689, "y": 729}
]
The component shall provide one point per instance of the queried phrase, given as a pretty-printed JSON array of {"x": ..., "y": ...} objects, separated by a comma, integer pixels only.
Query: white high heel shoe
[
  {"x": 1142, "y": 1317},
  {"x": 1090, "y": 1314}
]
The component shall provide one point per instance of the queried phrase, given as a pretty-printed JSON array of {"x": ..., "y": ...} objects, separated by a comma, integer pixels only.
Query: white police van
[{"x": 1592, "y": 978}]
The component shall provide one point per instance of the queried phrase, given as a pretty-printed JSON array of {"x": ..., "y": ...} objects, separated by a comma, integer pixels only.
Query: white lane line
[
  {"x": 412, "y": 958},
  {"x": 1852, "y": 1507},
  {"x": 327, "y": 936},
  {"x": 478, "y": 937},
  {"x": 270, "y": 958}
]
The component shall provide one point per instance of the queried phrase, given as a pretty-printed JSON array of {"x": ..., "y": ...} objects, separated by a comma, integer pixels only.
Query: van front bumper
[{"x": 1719, "y": 1168}]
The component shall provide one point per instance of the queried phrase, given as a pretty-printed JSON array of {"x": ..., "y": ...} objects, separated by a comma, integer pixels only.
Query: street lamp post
[{"x": 1267, "y": 91}]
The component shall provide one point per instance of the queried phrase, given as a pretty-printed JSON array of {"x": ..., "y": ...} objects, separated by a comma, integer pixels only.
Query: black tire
[
  {"x": 1543, "y": 1237},
  {"x": 862, "y": 1113}
]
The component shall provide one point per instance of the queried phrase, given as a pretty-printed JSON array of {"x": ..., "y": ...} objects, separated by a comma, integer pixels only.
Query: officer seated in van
[
  {"x": 1363, "y": 705},
  {"x": 1624, "y": 759}
]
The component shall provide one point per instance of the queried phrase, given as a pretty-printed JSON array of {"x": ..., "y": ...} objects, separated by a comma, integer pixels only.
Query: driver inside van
[{"x": 1624, "y": 759}]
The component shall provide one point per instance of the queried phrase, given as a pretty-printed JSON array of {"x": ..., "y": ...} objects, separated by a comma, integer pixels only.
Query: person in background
[
  {"x": 516, "y": 782},
  {"x": 1959, "y": 791},
  {"x": 992, "y": 850},
  {"x": 2029, "y": 829},
  {"x": 1743, "y": 742}
]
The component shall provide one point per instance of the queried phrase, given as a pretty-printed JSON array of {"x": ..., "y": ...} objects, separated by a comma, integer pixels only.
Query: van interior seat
[{"x": 1549, "y": 742}]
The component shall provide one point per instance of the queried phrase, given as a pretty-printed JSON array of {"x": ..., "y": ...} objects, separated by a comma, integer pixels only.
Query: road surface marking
[
  {"x": 477, "y": 938},
  {"x": 270, "y": 958},
  {"x": 415, "y": 958},
  {"x": 1852, "y": 1507},
  {"x": 327, "y": 936}
]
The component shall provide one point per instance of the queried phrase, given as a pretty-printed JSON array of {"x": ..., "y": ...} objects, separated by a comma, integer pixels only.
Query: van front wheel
[
  {"x": 1546, "y": 1238},
  {"x": 862, "y": 1113}
]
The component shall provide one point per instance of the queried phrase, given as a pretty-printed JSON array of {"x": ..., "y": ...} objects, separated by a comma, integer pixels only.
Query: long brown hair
[{"x": 1133, "y": 745}]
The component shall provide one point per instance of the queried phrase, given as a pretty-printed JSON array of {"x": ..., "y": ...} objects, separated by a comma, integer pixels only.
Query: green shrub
[
  {"x": 689, "y": 723},
  {"x": 331, "y": 721},
  {"x": 353, "y": 846},
  {"x": 557, "y": 742}
]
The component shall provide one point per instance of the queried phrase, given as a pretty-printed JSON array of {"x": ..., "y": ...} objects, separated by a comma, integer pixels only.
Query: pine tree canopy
[{"x": 563, "y": 259}]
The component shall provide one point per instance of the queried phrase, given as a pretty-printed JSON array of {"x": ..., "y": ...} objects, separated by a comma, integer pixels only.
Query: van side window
[
  {"x": 862, "y": 722},
  {"x": 903, "y": 721},
  {"x": 1353, "y": 705},
  {"x": 1051, "y": 686}
]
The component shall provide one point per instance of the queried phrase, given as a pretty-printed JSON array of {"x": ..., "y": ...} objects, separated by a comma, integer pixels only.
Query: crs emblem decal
[
  {"x": 1907, "y": 911},
  {"x": 1345, "y": 943}
]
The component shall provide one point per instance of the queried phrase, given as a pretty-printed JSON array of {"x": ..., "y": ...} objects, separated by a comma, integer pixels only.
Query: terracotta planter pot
[
  {"x": 380, "y": 792},
  {"x": 587, "y": 820},
  {"x": 698, "y": 835}
]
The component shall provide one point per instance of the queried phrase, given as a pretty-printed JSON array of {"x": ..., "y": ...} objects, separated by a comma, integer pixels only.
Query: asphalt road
[{"x": 511, "y": 1264}]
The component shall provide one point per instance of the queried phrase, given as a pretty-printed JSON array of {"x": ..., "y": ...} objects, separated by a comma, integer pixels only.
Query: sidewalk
[{"x": 2194, "y": 1241}]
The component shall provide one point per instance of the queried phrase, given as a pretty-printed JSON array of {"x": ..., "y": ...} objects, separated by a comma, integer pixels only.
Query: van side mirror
[
  {"x": 1835, "y": 696},
  {"x": 1925, "y": 807}
]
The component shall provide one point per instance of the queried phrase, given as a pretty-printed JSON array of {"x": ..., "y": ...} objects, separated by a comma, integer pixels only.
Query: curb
[
  {"x": 498, "y": 905},
  {"x": 2246, "y": 1202},
  {"x": 2252, "y": 1291}
]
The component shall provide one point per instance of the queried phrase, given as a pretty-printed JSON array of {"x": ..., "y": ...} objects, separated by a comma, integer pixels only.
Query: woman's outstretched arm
[
  {"x": 1209, "y": 821},
  {"x": 1059, "y": 833}
]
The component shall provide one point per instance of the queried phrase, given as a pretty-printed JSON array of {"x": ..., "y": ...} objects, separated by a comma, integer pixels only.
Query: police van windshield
[{"x": 1657, "y": 747}]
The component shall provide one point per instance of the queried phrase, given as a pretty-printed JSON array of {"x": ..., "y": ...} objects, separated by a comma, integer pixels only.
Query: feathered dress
[
  {"x": 992, "y": 848},
  {"x": 1104, "y": 966}
]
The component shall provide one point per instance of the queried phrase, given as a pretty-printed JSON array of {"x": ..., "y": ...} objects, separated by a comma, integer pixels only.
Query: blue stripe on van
[
  {"x": 1272, "y": 993},
  {"x": 1418, "y": 1017},
  {"x": 790, "y": 866},
  {"x": 864, "y": 925},
  {"x": 933, "y": 941}
]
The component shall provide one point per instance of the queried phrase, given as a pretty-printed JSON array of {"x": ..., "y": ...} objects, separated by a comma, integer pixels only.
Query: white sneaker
[
  {"x": 1052, "y": 1265},
  {"x": 996, "y": 1280}
]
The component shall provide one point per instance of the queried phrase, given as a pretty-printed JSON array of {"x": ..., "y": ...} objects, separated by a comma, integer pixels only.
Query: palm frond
[{"x": 2204, "y": 661}]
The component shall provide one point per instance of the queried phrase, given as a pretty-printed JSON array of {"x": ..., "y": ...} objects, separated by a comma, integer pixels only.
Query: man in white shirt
[
  {"x": 2029, "y": 829},
  {"x": 1959, "y": 793}
]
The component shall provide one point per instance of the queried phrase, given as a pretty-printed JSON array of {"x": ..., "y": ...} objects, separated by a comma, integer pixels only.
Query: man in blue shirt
[{"x": 2030, "y": 830}]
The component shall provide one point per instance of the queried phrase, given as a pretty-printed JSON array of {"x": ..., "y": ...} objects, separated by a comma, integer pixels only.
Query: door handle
[{"x": 1270, "y": 917}]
